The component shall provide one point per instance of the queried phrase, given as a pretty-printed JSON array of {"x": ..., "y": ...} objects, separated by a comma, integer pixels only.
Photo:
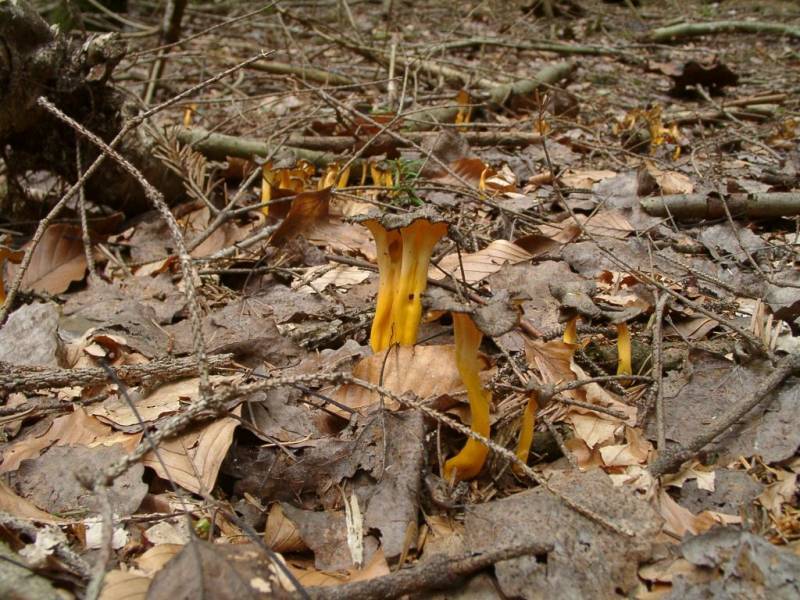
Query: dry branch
[
  {"x": 318, "y": 149},
  {"x": 307, "y": 73},
  {"x": 711, "y": 206},
  {"x": 550, "y": 75},
  {"x": 684, "y": 30},
  {"x": 440, "y": 573},
  {"x": 19, "y": 379}
]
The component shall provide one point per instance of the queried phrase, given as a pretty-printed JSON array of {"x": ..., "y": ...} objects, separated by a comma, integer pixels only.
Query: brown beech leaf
[
  {"x": 220, "y": 571},
  {"x": 14, "y": 505},
  {"x": 124, "y": 585},
  {"x": 307, "y": 209},
  {"x": 11, "y": 256},
  {"x": 479, "y": 265},
  {"x": 281, "y": 534},
  {"x": 57, "y": 261},
  {"x": 311, "y": 577},
  {"x": 74, "y": 429},
  {"x": 193, "y": 459},
  {"x": 425, "y": 371}
]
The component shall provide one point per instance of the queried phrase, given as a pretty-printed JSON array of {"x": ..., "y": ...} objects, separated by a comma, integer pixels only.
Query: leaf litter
[{"x": 306, "y": 464}]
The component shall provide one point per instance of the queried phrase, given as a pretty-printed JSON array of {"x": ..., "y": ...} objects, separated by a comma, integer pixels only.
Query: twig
[
  {"x": 204, "y": 31},
  {"x": 61, "y": 551},
  {"x": 391, "y": 87},
  {"x": 321, "y": 150},
  {"x": 13, "y": 379},
  {"x": 441, "y": 572},
  {"x": 87, "y": 240},
  {"x": 157, "y": 199},
  {"x": 669, "y": 461},
  {"x": 303, "y": 72},
  {"x": 170, "y": 33},
  {"x": 683, "y": 30}
]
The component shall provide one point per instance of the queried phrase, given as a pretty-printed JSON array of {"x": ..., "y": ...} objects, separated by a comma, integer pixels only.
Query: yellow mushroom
[
  {"x": 469, "y": 462},
  {"x": 624, "y": 362},
  {"x": 526, "y": 427},
  {"x": 469, "y": 325},
  {"x": 418, "y": 239},
  {"x": 388, "y": 246},
  {"x": 571, "y": 331},
  {"x": 404, "y": 244}
]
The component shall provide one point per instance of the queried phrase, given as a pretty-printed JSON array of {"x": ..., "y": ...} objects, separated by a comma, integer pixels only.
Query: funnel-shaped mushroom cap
[
  {"x": 574, "y": 298},
  {"x": 404, "y": 243},
  {"x": 496, "y": 317}
]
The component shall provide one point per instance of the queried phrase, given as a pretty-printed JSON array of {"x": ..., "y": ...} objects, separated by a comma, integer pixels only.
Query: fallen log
[
  {"x": 322, "y": 150},
  {"x": 712, "y": 206},
  {"x": 684, "y": 30}
]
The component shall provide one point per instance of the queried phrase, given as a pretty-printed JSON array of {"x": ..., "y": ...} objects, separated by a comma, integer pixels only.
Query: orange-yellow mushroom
[
  {"x": 624, "y": 363},
  {"x": 469, "y": 462},
  {"x": 266, "y": 187},
  {"x": 418, "y": 238},
  {"x": 388, "y": 245},
  {"x": 526, "y": 427},
  {"x": 571, "y": 331},
  {"x": 404, "y": 245}
]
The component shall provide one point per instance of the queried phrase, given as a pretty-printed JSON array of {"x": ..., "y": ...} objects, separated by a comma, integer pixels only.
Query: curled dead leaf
[
  {"x": 57, "y": 261},
  {"x": 281, "y": 534}
]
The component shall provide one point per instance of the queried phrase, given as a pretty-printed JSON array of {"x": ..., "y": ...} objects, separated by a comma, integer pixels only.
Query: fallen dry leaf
[
  {"x": 124, "y": 585},
  {"x": 311, "y": 577},
  {"x": 281, "y": 534},
  {"x": 74, "y": 429},
  {"x": 193, "y": 459},
  {"x": 316, "y": 279},
  {"x": 308, "y": 208},
  {"x": 584, "y": 179},
  {"x": 479, "y": 265},
  {"x": 427, "y": 371},
  {"x": 57, "y": 261},
  {"x": 117, "y": 412},
  {"x": 18, "y": 507},
  {"x": 153, "y": 559},
  {"x": 51, "y": 481}
]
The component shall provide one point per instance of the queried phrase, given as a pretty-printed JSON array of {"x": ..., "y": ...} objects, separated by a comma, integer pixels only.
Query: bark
[{"x": 36, "y": 60}]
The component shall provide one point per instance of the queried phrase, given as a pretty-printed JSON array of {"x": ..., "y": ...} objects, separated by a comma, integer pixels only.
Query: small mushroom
[
  {"x": 526, "y": 427},
  {"x": 404, "y": 245},
  {"x": 576, "y": 302},
  {"x": 469, "y": 325}
]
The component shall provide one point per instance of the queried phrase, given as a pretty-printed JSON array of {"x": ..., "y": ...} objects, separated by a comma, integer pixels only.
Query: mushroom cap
[
  {"x": 493, "y": 319},
  {"x": 574, "y": 299},
  {"x": 392, "y": 221}
]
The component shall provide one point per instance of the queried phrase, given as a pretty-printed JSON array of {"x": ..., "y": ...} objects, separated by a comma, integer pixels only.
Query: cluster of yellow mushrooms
[{"x": 404, "y": 244}]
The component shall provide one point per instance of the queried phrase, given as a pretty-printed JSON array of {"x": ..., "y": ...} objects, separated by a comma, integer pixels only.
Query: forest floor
[{"x": 607, "y": 215}]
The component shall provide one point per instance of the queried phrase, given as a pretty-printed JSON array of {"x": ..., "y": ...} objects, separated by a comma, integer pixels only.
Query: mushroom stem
[
  {"x": 388, "y": 246},
  {"x": 418, "y": 240},
  {"x": 468, "y": 463},
  {"x": 571, "y": 331},
  {"x": 266, "y": 188},
  {"x": 526, "y": 431},
  {"x": 624, "y": 366}
]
